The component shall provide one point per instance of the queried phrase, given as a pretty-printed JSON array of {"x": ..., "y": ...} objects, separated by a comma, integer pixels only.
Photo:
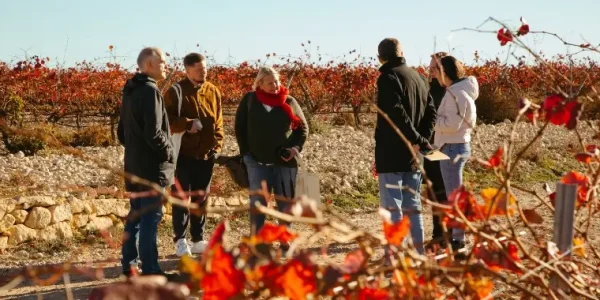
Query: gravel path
[{"x": 342, "y": 157}]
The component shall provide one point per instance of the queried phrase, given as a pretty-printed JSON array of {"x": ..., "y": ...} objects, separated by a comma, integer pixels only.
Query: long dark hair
[{"x": 452, "y": 68}]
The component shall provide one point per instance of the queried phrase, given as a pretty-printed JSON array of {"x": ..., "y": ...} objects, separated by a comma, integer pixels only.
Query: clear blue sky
[{"x": 79, "y": 30}]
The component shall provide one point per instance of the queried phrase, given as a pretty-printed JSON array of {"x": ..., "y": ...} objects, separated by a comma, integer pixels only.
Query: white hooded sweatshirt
[{"x": 457, "y": 114}]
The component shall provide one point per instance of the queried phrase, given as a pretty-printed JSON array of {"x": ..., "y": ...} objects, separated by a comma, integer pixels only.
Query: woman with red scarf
[{"x": 270, "y": 129}]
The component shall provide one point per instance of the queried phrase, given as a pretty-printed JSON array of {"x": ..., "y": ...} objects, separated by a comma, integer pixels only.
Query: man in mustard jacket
[{"x": 195, "y": 113}]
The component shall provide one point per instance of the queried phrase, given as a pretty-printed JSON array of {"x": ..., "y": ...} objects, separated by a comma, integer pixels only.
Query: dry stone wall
[{"x": 47, "y": 218}]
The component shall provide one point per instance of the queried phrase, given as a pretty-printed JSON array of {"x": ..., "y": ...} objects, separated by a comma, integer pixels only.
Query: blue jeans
[
  {"x": 452, "y": 172},
  {"x": 279, "y": 179},
  {"x": 397, "y": 201},
  {"x": 143, "y": 219}
]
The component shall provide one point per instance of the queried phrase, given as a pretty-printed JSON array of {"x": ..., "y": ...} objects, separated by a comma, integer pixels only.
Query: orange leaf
[
  {"x": 579, "y": 242},
  {"x": 221, "y": 280},
  {"x": 499, "y": 206},
  {"x": 395, "y": 233},
  {"x": 480, "y": 288},
  {"x": 271, "y": 233},
  {"x": 111, "y": 47},
  {"x": 296, "y": 279},
  {"x": 193, "y": 267}
]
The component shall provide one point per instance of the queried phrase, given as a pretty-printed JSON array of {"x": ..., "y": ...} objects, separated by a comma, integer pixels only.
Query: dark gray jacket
[
  {"x": 264, "y": 134},
  {"x": 403, "y": 95},
  {"x": 144, "y": 132}
]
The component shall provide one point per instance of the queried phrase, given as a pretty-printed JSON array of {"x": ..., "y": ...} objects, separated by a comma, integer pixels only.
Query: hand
[
  {"x": 416, "y": 148},
  {"x": 213, "y": 155},
  {"x": 293, "y": 152},
  {"x": 196, "y": 126}
]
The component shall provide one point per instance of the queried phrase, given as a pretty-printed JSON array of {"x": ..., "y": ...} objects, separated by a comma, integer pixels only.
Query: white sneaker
[
  {"x": 199, "y": 247},
  {"x": 182, "y": 248}
]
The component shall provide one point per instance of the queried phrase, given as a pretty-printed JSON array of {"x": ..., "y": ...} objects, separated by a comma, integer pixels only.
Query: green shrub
[{"x": 24, "y": 141}]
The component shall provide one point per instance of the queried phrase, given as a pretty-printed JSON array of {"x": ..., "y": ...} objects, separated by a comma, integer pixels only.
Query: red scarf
[{"x": 279, "y": 100}]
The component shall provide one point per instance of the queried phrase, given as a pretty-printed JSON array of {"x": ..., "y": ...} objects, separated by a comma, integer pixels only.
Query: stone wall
[{"x": 49, "y": 218}]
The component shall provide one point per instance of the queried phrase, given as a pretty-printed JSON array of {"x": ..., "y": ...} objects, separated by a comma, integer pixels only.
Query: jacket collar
[
  {"x": 392, "y": 63},
  {"x": 188, "y": 82}
]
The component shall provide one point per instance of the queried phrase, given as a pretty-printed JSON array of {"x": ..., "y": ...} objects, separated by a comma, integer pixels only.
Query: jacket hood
[
  {"x": 469, "y": 85},
  {"x": 137, "y": 80}
]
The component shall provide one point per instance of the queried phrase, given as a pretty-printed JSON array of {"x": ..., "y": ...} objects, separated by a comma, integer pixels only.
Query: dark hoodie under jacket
[{"x": 144, "y": 132}]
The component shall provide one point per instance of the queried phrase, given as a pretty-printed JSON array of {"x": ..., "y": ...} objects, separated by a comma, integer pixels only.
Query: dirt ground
[{"x": 97, "y": 254}]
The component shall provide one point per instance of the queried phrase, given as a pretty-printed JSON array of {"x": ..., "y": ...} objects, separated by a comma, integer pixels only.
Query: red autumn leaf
[
  {"x": 111, "y": 47},
  {"x": 374, "y": 171},
  {"x": 221, "y": 280},
  {"x": 594, "y": 149},
  {"x": 395, "y": 233},
  {"x": 371, "y": 294},
  {"x": 467, "y": 204},
  {"x": 552, "y": 106},
  {"x": 582, "y": 181},
  {"x": 498, "y": 259},
  {"x": 585, "y": 157},
  {"x": 504, "y": 36},
  {"x": 217, "y": 237},
  {"x": 532, "y": 216},
  {"x": 552, "y": 197},
  {"x": 562, "y": 112},
  {"x": 271, "y": 233},
  {"x": 496, "y": 159},
  {"x": 524, "y": 29},
  {"x": 353, "y": 262},
  {"x": 575, "y": 108}
]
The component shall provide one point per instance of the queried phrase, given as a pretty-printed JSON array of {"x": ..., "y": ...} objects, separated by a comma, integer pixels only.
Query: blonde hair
[{"x": 262, "y": 73}]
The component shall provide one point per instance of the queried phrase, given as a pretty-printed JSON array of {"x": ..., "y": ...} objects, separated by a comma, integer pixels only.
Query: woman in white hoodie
[{"x": 456, "y": 118}]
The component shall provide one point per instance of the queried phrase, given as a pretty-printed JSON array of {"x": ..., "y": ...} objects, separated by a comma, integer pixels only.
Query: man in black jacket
[
  {"x": 403, "y": 94},
  {"x": 144, "y": 132},
  {"x": 432, "y": 168}
]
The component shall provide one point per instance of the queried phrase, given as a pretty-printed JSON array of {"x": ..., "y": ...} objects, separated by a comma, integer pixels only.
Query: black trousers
[
  {"x": 434, "y": 173},
  {"x": 193, "y": 175}
]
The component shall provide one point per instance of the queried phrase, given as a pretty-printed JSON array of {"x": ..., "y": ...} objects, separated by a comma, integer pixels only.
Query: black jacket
[
  {"x": 403, "y": 94},
  {"x": 264, "y": 134},
  {"x": 144, "y": 132}
]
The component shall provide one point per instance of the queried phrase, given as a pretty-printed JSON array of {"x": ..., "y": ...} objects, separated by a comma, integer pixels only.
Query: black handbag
[{"x": 236, "y": 168}]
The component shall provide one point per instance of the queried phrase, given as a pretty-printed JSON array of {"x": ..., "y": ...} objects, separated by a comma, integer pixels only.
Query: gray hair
[
  {"x": 147, "y": 53},
  {"x": 262, "y": 73}
]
